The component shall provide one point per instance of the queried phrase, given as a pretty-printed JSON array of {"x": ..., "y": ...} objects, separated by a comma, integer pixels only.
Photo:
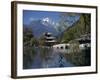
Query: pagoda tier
[{"x": 50, "y": 40}]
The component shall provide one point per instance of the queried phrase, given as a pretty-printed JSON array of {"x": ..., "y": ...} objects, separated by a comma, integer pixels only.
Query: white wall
[{"x": 5, "y": 41}]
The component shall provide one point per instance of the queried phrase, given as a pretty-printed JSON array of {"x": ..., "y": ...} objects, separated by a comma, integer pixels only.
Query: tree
[
  {"x": 42, "y": 40},
  {"x": 33, "y": 42},
  {"x": 28, "y": 38},
  {"x": 87, "y": 21}
]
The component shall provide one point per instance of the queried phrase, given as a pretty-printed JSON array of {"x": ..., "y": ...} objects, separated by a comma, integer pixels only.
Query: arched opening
[
  {"x": 61, "y": 47},
  {"x": 57, "y": 47},
  {"x": 66, "y": 47}
]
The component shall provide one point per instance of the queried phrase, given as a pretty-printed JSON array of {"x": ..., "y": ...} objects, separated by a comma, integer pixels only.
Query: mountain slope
[
  {"x": 39, "y": 27},
  {"x": 79, "y": 28}
]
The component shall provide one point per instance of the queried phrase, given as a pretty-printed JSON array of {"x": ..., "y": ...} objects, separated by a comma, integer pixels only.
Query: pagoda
[{"x": 50, "y": 40}]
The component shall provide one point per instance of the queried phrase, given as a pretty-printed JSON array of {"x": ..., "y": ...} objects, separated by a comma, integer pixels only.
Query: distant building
[
  {"x": 74, "y": 45},
  {"x": 84, "y": 41},
  {"x": 50, "y": 40}
]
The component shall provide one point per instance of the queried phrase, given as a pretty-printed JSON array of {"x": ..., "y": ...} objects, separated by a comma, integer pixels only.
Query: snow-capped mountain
[
  {"x": 41, "y": 26},
  {"x": 47, "y": 25},
  {"x": 47, "y": 21}
]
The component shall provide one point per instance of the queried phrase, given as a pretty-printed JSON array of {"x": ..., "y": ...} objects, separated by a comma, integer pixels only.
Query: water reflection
[{"x": 44, "y": 57}]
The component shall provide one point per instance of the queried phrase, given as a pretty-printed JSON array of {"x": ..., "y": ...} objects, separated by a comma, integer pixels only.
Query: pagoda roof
[
  {"x": 50, "y": 37},
  {"x": 51, "y": 41}
]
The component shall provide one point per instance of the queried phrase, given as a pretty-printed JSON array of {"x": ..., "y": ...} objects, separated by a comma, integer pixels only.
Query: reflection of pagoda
[{"x": 49, "y": 39}]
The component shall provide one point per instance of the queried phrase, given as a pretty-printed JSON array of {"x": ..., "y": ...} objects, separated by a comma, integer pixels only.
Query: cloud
[
  {"x": 46, "y": 19},
  {"x": 31, "y": 18}
]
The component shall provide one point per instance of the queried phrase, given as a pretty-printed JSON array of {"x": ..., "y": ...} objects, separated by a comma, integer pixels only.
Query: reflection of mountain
[{"x": 39, "y": 27}]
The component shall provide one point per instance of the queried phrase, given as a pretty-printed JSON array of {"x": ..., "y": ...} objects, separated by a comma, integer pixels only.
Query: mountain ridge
[{"x": 38, "y": 28}]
